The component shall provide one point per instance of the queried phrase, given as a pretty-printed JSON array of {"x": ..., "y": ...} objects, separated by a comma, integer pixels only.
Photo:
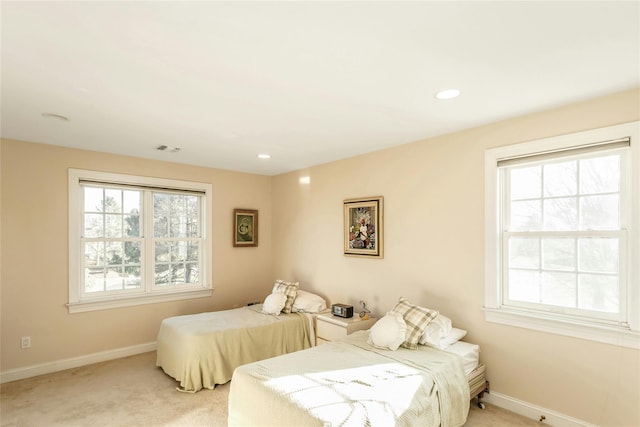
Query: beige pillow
[
  {"x": 417, "y": 318},
  {"x": 290, "y": 289}
]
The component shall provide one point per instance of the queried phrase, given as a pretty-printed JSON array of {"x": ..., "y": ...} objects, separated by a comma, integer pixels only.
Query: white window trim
[
  {"x": 493, "y": 309},
  {"x": 76, "y": 303}
]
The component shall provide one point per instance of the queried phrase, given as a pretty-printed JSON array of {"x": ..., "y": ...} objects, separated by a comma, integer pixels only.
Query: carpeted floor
[{"x": 134, "y": 392}]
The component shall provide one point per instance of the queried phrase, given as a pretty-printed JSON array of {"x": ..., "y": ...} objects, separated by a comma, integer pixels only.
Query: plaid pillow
[
  {"x": 290, "y": 289},
  {"x": 417, "y": 318}
]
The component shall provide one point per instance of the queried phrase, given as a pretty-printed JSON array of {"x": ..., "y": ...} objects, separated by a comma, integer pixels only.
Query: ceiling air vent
[{"x": 168, "y": 148}]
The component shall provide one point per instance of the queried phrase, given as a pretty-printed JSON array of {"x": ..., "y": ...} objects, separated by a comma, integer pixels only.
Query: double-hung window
[
  {"x": 562, "y": 235},
  {"x": 136, "y": 240}
]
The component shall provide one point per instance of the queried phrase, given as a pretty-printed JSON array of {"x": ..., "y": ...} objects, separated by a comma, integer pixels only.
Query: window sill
[
  {"x": 84, "y": 306},
  {"x": 599, "y": 333}
]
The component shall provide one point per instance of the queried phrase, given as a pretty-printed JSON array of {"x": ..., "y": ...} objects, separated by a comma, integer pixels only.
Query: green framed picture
[{"x": 245, "y": 227}]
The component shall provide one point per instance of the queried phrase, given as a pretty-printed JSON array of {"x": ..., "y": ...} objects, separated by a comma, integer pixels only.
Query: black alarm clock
[{"x": 342, "y": 310}]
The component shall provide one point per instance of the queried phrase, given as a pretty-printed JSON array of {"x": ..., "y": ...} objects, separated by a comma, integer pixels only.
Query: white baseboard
[
  {"x": 528, "y": 410},
  {"x": 74, "y": 362}
]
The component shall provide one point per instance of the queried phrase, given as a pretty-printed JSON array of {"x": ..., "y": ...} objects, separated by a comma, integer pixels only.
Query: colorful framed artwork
[
  {"x": 245, "y": 227},
  {"x": 363, "y": 227}
]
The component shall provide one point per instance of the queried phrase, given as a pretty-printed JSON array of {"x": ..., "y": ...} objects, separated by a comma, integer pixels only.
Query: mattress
[{"x": 470, "y": 354}]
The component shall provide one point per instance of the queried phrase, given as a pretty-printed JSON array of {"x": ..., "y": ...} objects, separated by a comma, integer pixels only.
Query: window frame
[
  {"x": 79, "y": 301},
  {"x": 627, "y": 333}
]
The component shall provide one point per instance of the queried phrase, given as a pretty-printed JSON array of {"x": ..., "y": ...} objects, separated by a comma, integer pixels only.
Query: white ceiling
[{"x": 307, "y": 82}]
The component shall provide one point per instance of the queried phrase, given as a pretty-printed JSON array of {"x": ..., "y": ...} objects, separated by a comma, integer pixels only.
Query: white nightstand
[{"x": 330, "y": 327}]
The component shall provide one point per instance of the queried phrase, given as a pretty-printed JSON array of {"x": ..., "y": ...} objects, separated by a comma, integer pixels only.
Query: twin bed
[
  {"x": 352, "y": 381},
  {"x": 202, "y": 350}
]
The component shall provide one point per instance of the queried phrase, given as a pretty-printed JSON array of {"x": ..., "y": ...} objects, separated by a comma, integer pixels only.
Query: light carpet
[{"x": 133, "y": 392}]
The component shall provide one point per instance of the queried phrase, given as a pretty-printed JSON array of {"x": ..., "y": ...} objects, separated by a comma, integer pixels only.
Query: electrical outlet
[{"x": 25, "y": 342}]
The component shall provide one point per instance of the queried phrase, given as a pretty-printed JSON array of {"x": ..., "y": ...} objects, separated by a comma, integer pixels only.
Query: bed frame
[{"x": 478, "y": 385}]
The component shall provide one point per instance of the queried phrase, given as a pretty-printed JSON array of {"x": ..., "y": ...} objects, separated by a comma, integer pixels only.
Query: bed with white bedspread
[{"x": 352, "y": 383}]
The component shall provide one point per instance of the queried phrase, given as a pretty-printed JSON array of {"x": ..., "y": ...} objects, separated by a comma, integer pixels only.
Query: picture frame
[
  {"x": 364, "y": 227},
  {"x": 245, "y": 227}
]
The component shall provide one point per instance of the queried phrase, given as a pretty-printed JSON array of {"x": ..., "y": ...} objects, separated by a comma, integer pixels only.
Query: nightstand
[{"x": 330, "y": 327}]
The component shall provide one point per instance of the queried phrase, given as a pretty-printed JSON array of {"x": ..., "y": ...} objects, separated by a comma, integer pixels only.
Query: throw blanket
[
  {"x": 350, "y": 383},
  {"x": 202, "y": 350}
]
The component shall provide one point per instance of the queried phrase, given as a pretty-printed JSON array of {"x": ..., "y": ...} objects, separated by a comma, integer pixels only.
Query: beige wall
[
  {"x": 434, "y": 236},
  {"x": 34, "y": 279}
]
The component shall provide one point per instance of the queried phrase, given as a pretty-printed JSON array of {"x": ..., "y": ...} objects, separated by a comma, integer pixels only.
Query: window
[
  {"x": 136, "y": 240},
  {"x": 562, "y": 235}
]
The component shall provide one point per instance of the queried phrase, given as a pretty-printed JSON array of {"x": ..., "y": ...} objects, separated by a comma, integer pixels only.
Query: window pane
[
  {"x": 192, "y": 274},
  {"x": 560, "y": 214},
  {"x": 132, "y": 252},
  {"x": 178, "y": 226},
  {"x": 93, "y": 225},
  {"x": 600, "y": 175},
  {"x": 94, "y": 280},
  {"x": 193, "y": 215},
  {"x": 526, "y": 216},
  {"x": 93, "y": 199},
  {"x": 524, "y": 253},
  {"x": 160, "y": 226},
  {"x": 526, "y": 183},
  {"x": 559, "y": 289},
  {"x": 131, "y": 202},
  {"x": 600, "y": 293},
  {"x": 114, "y": 253},
  {"x": 193, "y": 251},
  {"x": 524, "y": 285},
  {"x": 559, "y": 254},
  {"x": 161, "y": 204},
  {"x": 600, "y": 212},
  {"x": 132, "y": 280},
  {"x": 115, "y": 278},
  {"x": 178, "y": 251},
  {"x": 161, "y": 215},
  {"x": 162, "y": 274},
  {"x": 599, "y": 255},
  {"x": 113, "y": 226},
  {"x": 132, "y": 226},
  {"x": 112, "y": 200},
  {"x": 162, "y": 251},
  {"x": 94, "y": 254},
  {"x": 177, "y": 273},
  {"x": 560, "y": 179}
]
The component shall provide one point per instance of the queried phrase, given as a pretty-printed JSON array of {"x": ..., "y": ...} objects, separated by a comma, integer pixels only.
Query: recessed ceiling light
[
  {"x": 264, "y": 156},
  {"x": 448, "y": 94},
  {"x": 55, "y": 117}
]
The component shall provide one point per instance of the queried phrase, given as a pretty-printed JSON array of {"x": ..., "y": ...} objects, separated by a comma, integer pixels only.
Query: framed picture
[
  {"x": 363, "y": 227},
  {"x": 245, "y": 227}
]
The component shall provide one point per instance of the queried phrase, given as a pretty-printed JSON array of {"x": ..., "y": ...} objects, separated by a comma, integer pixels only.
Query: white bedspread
[
  {"x": 202, "y": 350},
  {"x": 350, "y": 383}
]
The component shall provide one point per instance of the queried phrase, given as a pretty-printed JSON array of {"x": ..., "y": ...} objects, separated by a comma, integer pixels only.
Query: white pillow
[
  {"x": 436, "y": 330},
  {"x": 274, "y": 303},
  {"x": 308, "y": 302},
  {"x": 388, "y": 332},
  {"x": 452, "y": 337}
]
